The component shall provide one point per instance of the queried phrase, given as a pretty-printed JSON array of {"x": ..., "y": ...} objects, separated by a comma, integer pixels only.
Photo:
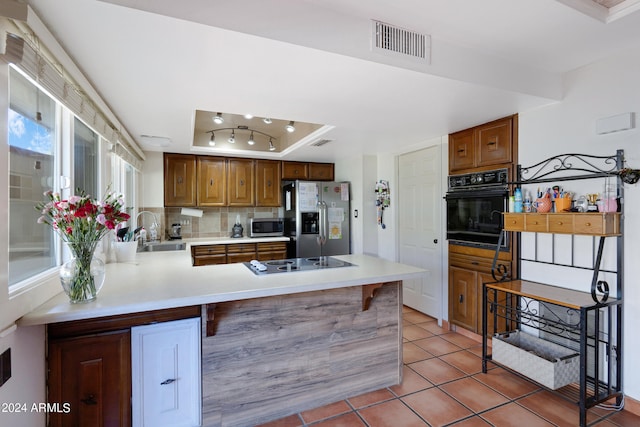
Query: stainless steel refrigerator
[{"x": 317, "y": 218}]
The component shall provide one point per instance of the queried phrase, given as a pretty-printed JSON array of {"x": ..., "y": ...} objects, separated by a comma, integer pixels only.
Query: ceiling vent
[
  {"x": 320, "y": 142},
  {"x": 399, "y": 41}
]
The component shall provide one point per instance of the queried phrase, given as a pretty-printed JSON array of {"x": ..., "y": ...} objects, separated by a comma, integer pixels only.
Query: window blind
[{"x": 31, "y": 58}]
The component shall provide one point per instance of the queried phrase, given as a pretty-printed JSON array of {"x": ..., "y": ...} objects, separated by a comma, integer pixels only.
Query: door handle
[
  {"x": 435, "y": 241},
  {"x": 168, "y": 381}
]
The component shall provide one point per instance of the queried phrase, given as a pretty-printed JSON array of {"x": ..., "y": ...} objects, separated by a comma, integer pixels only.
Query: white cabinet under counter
[{"x": 165, "y": 371}]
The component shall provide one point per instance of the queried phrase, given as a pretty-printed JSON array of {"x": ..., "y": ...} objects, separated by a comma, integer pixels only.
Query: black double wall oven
[{"x": 475, "y": 203}]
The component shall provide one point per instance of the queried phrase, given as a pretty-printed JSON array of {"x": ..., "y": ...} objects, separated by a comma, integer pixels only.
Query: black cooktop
[{"x": 295, "y": 264}]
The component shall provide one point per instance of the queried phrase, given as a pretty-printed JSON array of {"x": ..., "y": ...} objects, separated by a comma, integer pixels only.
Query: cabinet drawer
[
  {"x": 589, "y": 224},
  {"x": 272, "y": 246},
  {"x": 474, "y": 262},
  {"x": 239, "y": 248},
  {"x": 560, "y": 223},
  {"x": 535, "y": 222},
  {"x": 240, "y": 257},
  {"x": 208, "y": 250},
  {"x": 513, "y": 222},
  {"x": 209, "y": 260}
]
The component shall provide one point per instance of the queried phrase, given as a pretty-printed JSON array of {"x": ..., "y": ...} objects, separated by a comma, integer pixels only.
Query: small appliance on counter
[
  {"x": 266, "y": 227},
  {"x": 175, "y": 233},
  {"x": 237, "y": 230}
]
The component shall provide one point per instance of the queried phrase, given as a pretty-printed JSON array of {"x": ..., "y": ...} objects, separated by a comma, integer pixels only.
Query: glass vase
[{"x": 83, "y": 275}]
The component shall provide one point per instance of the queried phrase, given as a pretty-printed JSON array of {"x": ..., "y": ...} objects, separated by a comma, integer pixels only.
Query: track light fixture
[
  {"x": 267, "y": 120},
  {"x": 290, "y": 128},
  {"x": 250, "y": 141},
  {"x": 218, "y": 119}
]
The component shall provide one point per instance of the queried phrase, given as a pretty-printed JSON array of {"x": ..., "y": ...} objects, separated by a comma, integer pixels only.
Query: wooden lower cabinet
[
  {"x": 89, "y": 367},
  {"x": 237, "y": 252},
  {"x": 272, "y": 250},
  {"x": 208, "y": 255},
  {"x": 463, "y": 310},
  {"x": 242, "y": 252},
  {"x": 93, "y": 375},
  {"x": 467, "y": 273}
]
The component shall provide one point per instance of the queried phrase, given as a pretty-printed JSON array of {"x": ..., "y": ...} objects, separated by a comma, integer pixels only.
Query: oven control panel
[{"x": 492, "y": 178}]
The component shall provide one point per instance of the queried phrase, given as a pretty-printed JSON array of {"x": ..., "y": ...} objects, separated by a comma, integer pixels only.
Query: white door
[
  {"x": 165, "y": 371},
  {"x": 420, "y": 231}
]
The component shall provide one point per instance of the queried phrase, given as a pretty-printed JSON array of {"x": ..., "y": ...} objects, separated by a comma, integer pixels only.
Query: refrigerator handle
[{"x": 322, "y": 219}]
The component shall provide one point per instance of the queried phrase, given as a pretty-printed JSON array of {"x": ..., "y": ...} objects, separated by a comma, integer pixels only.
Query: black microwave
[{"x": 266, "y": 227}]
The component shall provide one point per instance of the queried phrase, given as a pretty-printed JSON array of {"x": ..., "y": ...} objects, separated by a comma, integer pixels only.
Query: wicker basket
[{"x": 543, "y": 361}]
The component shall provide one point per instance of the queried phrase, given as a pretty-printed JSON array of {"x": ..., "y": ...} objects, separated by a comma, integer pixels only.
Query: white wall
[{"x": 599, "y": 90}]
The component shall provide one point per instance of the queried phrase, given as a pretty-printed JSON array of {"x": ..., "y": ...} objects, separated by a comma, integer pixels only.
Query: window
[
  {"x": 85, "y": 159},
  {"x": 32, "y": 167}
]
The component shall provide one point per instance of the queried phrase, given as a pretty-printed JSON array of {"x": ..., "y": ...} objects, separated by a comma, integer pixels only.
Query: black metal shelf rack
[{"x": 589, "y": 322}]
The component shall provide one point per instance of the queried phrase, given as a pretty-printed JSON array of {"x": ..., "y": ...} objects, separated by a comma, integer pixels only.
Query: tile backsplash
[{"x": 215, "y": 222}]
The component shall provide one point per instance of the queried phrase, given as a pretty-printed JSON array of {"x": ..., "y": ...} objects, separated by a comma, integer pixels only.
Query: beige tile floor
[{"x": 443, "y": 385}]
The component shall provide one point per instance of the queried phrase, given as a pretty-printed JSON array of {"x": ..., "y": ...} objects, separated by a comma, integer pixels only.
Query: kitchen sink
[{"x": 162, "y": 246}]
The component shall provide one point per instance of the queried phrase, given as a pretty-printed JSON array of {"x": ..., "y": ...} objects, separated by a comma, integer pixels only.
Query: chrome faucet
[{"x": 153, "y": 235}]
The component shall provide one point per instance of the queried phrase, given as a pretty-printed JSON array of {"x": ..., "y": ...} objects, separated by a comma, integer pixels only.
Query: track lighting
[
  {"x": 248, "y": 116},
  {"x": 290, "y": 128},
  {"x": 232, "y": 137},
  {"x": 218, "y": 119},
  {"x": 267, "y": 120}
]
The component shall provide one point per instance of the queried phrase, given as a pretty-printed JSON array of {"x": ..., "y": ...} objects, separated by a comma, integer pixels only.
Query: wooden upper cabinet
[
  {"x": 240, "y": 184},
  {"x": 212, "y": 181},
  {"x": 462, "y": 150},
  {"x": 493, "y": 142},
  {"x": 268, "y": 183},
  {"x": 179, "y": 180},
  {"x": 295, "y": 170},
  {"x": 490, "y": 144},
  {"x": 321, "y": 171}
]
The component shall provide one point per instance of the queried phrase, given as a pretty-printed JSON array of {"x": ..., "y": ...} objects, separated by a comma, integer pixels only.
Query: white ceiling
[{"x": 155, "y": 62}]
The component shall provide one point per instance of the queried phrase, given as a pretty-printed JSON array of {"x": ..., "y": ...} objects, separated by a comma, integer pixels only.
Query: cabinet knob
[
  {"x": 211, "y": 182},
  {"x": 588, "y": 224},
  {"x": 535, "y": 222},
  {"x": 269, "y": 183},
  {"x": 461, "y": 299},
  {"x": 560, "y": 222},
  {"x": 168, "y": 381},
  {"x": 242, "y": 182},
  {"x": 435, "y": 241},
  {"x": 89, "y": 400}
]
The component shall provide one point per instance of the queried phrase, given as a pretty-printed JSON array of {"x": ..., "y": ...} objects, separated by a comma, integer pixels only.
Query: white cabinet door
[{"x": 165, "y": 367}]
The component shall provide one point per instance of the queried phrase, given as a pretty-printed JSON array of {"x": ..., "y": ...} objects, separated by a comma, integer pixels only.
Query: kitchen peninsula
[{"x": 271, "y": 345}]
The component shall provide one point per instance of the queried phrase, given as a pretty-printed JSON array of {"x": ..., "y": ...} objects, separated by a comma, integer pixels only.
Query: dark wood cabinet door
[
  {"x": 212, "y": 181},
  {"x": 321, "y": 171},
  {"x": 179, "y": 180},
  {"x": 295, "y": 170},
  {"x": 461, "y": 150},
  {"x": 93, "y": 375},
  {"x": 463, "y": 298},
  {"x": 268, "y": 183},
  {"x": 240, "y": 184},
  {"x": 494, "y": 142}
]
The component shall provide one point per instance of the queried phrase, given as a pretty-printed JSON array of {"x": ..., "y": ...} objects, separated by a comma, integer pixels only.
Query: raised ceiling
[{"x": 157, "y": 62}]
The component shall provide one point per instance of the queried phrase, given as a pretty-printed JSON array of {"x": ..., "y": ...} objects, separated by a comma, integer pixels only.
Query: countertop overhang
[{"x": 160, "y": 280}]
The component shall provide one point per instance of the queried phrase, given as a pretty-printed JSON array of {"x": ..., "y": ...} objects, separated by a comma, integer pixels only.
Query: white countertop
[{"x": 158, "y": 280}]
